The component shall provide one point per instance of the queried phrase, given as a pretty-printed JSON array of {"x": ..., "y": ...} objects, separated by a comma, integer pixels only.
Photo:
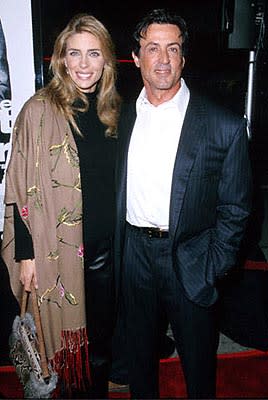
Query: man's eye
[{"x": 152, "y": 49}]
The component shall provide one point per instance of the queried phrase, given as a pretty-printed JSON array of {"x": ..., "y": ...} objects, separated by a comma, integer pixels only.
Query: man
[{"x": 183, "y": 203}]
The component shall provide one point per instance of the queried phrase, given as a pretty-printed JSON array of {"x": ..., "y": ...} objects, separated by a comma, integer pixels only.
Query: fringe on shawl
[{"x": 72, "y": 362}]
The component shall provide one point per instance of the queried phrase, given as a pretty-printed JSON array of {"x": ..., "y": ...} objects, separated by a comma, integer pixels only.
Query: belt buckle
[
  {"x": 155, "y": 232},
  {"x": 150, "y": 233}
]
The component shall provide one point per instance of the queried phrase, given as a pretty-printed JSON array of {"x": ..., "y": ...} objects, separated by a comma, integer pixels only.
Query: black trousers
[
  {"x": 100, "y": 309},
  {"x": 119, "y": 370},
  {"x": 150, "y": 286}
]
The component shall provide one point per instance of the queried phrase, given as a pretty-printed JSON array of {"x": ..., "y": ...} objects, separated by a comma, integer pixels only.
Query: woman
[{"x": 60, "y": 204}]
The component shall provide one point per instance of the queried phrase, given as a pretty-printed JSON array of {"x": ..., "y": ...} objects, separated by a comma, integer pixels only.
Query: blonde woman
[{"x": 59, "y": 200}]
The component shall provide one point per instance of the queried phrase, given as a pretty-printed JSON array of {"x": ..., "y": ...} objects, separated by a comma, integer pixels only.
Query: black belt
[{"x": 152, "y": 232}]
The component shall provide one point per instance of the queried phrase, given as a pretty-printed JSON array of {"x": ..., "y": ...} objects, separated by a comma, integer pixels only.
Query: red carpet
[
  {"x": 240, "y": 375},
  {"x": 256, "y": 265}
]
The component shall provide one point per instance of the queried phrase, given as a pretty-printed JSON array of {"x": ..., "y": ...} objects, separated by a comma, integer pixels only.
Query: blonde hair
[{"x": 62, "y": 91}]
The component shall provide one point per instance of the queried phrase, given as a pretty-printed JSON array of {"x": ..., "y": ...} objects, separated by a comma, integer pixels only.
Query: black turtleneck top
[
  {"x": 97, "y": 155},
  {"x": 97, "y": 166}
]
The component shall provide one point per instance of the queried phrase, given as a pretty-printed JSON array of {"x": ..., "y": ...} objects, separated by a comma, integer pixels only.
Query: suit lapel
[
  {"x": 125, "y": 129},
  {"x": 186, "y": 153}
]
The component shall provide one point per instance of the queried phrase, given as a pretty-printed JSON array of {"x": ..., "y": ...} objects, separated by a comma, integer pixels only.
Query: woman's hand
[{"x": 28, "y": 274}]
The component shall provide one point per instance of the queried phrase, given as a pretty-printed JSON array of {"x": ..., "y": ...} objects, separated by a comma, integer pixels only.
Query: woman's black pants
[{"x": 100, "y": 309}]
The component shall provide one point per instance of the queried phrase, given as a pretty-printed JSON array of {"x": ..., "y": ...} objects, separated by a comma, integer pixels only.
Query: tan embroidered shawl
[{"x": 43, "y": 179}]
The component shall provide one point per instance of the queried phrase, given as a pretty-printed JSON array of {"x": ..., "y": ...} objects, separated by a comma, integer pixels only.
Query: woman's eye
[
  {"x": 94, "y": 54},
  {"x": 74, "y": 53}
]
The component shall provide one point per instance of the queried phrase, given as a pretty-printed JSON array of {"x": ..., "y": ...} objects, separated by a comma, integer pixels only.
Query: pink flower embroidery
[
  {"x": 61, "y": 290},
  {"x": 24, "y": 212},
  {"x": 80, "y": 251}
]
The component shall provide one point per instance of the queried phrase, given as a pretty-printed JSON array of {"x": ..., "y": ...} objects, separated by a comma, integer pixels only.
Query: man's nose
[{"x": 164, "y": 56}]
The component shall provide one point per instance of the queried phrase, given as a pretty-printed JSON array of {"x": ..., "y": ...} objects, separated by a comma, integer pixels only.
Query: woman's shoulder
[
  {"x": 36, "y": 102},
  {"x": 31, "y": 108},
  {"x": 36, "y": 107}
]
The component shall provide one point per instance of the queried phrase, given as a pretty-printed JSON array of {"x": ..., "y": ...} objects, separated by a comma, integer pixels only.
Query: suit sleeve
[{"x": 233, "y": 206}]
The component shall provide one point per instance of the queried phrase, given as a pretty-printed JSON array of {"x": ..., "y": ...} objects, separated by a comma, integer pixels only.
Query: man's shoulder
[
  {"x": 128, "y": 105},
  {"x": 214, "y": 107},
  {"x": 128, "y": 111}
]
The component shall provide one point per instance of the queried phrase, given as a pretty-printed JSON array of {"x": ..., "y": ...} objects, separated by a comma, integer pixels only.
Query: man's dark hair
[{"x": 159, "y": 16}]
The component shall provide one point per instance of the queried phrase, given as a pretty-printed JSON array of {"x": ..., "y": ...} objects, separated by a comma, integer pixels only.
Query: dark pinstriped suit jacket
[{"x": 210, "y": 197}]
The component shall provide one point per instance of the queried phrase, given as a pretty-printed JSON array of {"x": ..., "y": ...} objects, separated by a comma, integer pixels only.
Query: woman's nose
[{"x": 84, "y": 61}]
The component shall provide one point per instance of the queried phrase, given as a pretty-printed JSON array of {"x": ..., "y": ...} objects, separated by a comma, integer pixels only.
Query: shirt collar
[{"x": 180, "y": 99}]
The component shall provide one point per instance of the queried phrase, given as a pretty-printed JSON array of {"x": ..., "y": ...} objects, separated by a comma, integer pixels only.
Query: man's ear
[{"x": 136, "y": 59}]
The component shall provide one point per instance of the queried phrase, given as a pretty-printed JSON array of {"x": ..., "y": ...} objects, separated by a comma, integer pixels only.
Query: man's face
[{"x": 160, "y": 59}]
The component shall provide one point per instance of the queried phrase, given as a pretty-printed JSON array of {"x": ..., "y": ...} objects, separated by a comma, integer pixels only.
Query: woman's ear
[{"x": 66, "y": 66}]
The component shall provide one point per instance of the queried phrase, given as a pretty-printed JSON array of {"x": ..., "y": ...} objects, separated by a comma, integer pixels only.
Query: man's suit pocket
[{"x": 192, "y": 263}]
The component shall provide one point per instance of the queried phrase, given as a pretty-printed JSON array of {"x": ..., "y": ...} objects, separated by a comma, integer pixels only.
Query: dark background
[
  {"x": 222, "y": 35},
  {"x": 217, "y": 61}
]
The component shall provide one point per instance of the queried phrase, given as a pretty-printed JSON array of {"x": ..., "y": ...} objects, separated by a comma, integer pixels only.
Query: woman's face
[{"x": 84, "y": 61}]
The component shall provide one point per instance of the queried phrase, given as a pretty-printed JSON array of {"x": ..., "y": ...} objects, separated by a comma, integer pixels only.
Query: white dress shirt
[{"x": 151, "y": 156}]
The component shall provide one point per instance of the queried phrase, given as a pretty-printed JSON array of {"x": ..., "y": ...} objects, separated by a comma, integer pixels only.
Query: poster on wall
[{"x": 17, "y": 73}]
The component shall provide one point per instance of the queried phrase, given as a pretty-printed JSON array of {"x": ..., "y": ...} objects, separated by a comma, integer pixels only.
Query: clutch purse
[{"x": 27, "y": 351}]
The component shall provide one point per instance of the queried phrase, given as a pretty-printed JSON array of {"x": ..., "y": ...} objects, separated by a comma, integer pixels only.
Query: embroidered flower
[
  {"x": 80, "y": 251},
  {"x": 61, "y": 290},
  {"x": 24, "y": 212}
]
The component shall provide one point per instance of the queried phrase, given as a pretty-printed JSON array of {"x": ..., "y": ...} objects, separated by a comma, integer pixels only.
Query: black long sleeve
[{"x": 23, "y": 240}]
